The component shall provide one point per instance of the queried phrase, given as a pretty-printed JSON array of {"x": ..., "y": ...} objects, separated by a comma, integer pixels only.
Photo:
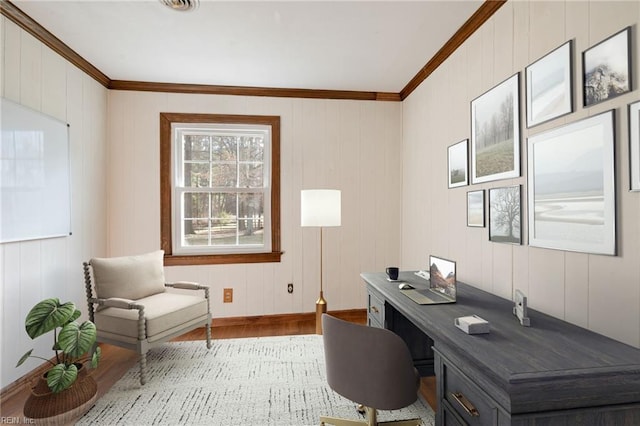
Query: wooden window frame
[{"x": 166, "y": 189}]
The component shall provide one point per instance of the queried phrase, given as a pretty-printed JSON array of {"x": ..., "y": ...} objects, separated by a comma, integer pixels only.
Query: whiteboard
[{"x": 35, "y": 199}]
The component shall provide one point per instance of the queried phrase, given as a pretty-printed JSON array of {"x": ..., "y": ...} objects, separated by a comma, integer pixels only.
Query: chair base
[
  {"x": 143, "y": 346},
  {"x": 371, "y": 420}
]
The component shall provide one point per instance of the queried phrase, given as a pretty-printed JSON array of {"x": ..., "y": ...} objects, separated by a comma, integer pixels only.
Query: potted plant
[{"x": 66, "y": 385}]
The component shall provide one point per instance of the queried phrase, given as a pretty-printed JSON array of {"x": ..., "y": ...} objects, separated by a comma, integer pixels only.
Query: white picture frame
[
  {"x": 550, "y": 85},
  {"x": 634, "y": 146},
  {"x": 495, "y": 132},
  {"x": 505, "y": 215},
  {"x": 475, "y": 209},
  {"x": 571, "y": 186}
]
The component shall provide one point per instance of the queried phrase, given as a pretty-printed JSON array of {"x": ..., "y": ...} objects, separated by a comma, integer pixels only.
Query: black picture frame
[
  {"x": 505, "y": 216},
  {"x": 458, "y": 164},
  {"x": 495, "y": 132},
  {"x": 606, "y": 69},
  {"x": 549, "y": 84},
  {"x": 475, "y": 209}
]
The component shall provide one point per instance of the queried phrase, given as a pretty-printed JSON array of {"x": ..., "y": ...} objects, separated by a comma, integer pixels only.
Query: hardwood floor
[{"x": 117, "y": 361}]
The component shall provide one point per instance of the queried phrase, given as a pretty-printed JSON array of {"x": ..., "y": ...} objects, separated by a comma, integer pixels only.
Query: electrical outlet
[
  {"x": 227, "y": 295},
  {"x": 290, "y": 288}
]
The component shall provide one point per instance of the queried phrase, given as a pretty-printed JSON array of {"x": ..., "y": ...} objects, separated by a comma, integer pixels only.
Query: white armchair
[{"x": 131, "y": 307}]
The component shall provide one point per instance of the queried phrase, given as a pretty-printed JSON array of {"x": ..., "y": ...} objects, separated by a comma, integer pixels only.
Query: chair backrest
[
  {"x": 368, "y": 365},
  {"x": 129, "y": 277}
]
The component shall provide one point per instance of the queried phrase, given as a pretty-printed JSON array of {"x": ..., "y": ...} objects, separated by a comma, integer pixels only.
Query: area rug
[{"x": 252, "y": 381}]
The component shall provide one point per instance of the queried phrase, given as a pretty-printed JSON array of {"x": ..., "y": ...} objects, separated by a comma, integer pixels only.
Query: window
[{"x": 220, "y": 188}]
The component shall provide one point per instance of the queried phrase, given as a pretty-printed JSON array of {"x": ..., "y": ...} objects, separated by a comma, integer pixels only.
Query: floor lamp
[{"x": 320, "y": 208}]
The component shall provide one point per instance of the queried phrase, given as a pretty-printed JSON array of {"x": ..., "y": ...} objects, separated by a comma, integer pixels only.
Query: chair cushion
[
  {"x": 130, "y": 277},
  {"x": 163, "y": 312}
]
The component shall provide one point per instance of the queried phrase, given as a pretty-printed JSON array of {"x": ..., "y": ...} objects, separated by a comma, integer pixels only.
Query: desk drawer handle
[
  {"x": 374, "y": 309},
  {"x": 466, "y": 404}
]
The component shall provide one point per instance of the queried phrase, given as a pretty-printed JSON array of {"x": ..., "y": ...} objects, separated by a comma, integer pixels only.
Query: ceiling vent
[{"x": 181, "y": 5}]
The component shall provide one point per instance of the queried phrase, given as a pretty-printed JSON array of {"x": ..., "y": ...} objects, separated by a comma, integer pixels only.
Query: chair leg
[
  {"x": 372, "y": 420},
  {"x": 412, "y": 422},
  {"x": 143, "y": 368},
  {"x": 372, "y": 416},
  {"x": 340, "y": 422},
  {"x": 208, "y": 336}
]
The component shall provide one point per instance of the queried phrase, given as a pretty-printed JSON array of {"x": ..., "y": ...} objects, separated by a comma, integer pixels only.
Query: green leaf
[
  {"x": 75, "y": 340},
  {"x": 75, "y": 316},
  {"x": 61, "y": 377},
  {"x": 24, "y": 358},
  {"x": 48, "y": 315},
  {"x": 95, "y": 359}
]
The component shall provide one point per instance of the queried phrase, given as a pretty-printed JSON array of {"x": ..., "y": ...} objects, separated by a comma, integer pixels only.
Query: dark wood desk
[{"x": 552, "y": 373}]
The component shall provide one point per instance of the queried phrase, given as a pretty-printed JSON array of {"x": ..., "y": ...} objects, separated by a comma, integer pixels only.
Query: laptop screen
[{"x": 442, "y": 276}]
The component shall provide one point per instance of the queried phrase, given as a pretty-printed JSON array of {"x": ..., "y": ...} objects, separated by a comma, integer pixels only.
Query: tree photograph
[
  {"x": 495, "y": 133},
  {"x": 504, "y": 215}
]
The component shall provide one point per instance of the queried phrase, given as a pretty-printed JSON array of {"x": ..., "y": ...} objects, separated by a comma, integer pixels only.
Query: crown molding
[
  {"x": 484, "y": 12},
  {"x": 24, "y": 21},
  {"x": 252, "y": 91}
]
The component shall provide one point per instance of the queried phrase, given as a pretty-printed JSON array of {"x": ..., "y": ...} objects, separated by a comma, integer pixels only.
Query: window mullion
[
  {"x": 237, "y": 193},
  {"x": 210, "y": 161},
  {"x": 209, "y": 217},
  {"x": 210, "y": 197}
]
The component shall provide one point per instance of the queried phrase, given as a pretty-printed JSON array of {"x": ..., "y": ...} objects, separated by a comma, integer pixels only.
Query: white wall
[
  {"x": 33, "y": 75},
  {"x": 349, "y": 145},
  {"x": 601, "y": 293}
]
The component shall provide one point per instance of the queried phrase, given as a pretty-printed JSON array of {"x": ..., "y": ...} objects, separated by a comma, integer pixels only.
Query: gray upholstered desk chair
[
  {"x": 131, "y": 307},
  {"x": 370, "y": 366}
]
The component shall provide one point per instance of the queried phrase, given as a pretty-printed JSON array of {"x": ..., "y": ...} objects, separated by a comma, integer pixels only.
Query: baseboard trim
[
  {"x": 28, "y": 380},
  {"x": 277, "y": 318}
]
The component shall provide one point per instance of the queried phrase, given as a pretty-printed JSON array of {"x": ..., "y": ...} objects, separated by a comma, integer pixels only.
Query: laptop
[{"x": 442, "y": 284}]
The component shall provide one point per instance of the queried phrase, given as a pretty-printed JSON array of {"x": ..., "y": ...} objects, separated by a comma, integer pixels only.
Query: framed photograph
[
  {"x": 550, "y": 86},
  {"x": 634, "y": 145},
  {"x": 495, "y": 133},
  {"x": 571, "y": 187},
  {"x": 504, "y": 215},
  {"x": 606, "y": 68},
  {"x": 475, "y": 208},
  {"x": 458, "y": 164}
]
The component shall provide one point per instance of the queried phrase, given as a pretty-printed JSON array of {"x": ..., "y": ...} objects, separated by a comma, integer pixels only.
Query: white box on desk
[{"x": 472, "y": 324}]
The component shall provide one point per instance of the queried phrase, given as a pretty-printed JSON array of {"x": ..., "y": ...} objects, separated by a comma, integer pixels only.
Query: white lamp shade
[{"x": 320, "y": 207}]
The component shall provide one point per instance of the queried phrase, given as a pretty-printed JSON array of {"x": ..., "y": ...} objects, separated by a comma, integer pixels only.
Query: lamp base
[{"x": 321, "y": 308}]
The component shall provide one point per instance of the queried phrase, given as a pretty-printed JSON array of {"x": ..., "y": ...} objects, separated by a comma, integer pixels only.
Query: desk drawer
[
  {"x": 466, "y": 399},
  {"x": 376, "y": 309},
  {"x": 449, "y": 415}
]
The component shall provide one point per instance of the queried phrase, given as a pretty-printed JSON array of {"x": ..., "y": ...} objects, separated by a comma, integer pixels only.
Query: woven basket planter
[{"x": 47, "y": 408}]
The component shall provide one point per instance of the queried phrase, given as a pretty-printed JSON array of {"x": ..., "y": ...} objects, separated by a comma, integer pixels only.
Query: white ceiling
[{"x": 333, "y": 45}]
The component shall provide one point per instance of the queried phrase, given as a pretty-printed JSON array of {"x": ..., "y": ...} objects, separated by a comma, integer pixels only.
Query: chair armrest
[
  {"x": 116, "y": 302},
  {"x": 187, "y": 285}
]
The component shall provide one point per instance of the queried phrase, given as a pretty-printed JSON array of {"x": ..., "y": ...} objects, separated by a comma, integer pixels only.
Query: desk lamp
[{"x": 320, "y": 208}]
